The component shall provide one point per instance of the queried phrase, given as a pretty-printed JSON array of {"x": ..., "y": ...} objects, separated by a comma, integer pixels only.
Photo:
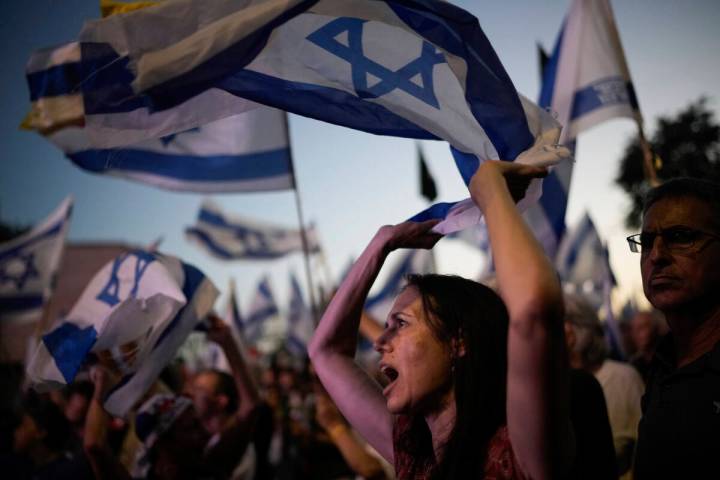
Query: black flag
[{"x": 427, "y": 183}]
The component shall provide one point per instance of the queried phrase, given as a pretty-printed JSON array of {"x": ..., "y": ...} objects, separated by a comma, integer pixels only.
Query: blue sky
[{"x": 351, "y": 182}]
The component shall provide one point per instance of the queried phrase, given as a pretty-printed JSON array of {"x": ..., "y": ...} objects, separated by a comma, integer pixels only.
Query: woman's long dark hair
[{"x": 463, "y": 311}]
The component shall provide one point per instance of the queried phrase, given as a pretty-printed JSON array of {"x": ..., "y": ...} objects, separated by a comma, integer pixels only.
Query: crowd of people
[{"x": 510, "y": 382}]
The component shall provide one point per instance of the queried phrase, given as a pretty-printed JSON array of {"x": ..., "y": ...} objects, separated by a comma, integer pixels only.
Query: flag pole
[
  {"x": 648, "y": 156},
  {"x": 303, "y": 233}
]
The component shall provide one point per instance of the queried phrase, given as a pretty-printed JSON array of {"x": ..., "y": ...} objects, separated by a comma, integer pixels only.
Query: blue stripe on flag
[
  {"x": 434, "y": 212},
  {"x": 57, "y": 80},
  {"x": 208, "y": 241},
  {"x": 547, "y": 89},
  {"x": 466, "y": 163},
  {"x": 254, "y": 166},
  {"x": 68, "y": 344},
  {"x": 20, "y": 303},
  {"x": 604, "y": 92},
  {"x": 335, "y": 106},
  {"x": 554, "y": 203},
  {"x": 106, "y": 81}
]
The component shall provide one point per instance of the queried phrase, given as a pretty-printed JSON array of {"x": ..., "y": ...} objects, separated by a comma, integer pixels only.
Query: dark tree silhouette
[{"x": 688, "y": 145}]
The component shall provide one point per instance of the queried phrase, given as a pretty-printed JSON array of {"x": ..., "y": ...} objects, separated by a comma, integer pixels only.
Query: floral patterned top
[{"x": 500, "y": 463}]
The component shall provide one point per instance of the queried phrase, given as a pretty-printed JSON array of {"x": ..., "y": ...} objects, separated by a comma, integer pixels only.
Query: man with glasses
[{"x": 679, "y": 247}]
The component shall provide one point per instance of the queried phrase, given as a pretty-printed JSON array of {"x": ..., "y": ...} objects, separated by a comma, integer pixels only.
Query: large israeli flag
[
  {"x": 585, "y": 82},
  {"x": 28, "y": 265},
  {"x": 133, "y": 315},
  {"x": 241, "y": 153},
  {"x": 301, "y": 324},
  {"x": 231, "y": 237},
  {"x": 410, "y": 68},
  {"x": 583, "y": 263}
]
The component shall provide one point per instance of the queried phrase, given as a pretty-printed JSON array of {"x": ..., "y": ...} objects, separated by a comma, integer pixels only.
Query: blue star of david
[
  {"x": 325, "y": 38},
  {"x": 28, "y": 271},
  {"x": 167, "y": 139}
]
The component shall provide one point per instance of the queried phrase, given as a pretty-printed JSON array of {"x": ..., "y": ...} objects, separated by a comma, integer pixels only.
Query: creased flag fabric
[
  {"x": 262, "y": 312},
  {"x": 584, "y": 266},
  {"x": 586, "y": 81},
  {"x": 28, "y": 265},
  {"x": 241, "y": 153},
  {"x": 231, "y": 237},
  {"x": 411, "y": 68},
  {"x": 300, "y": 321},
  {"x": 133, "y": 315},
  {"x": 379, "y": 304}
]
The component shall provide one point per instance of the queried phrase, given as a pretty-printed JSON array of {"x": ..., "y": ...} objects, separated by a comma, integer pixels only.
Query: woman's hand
[
  {"x": 409, "y": 235},
  {"x": 492, "y": 174}
]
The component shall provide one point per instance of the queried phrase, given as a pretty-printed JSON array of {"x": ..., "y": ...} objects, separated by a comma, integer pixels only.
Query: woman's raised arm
[
  {"x": 537, "y": 396},
  {"x": 332, "y": 349}
]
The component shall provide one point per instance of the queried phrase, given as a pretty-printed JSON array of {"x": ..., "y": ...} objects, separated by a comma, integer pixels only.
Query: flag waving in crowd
[
  {"x": 409, "y": 68},
  {"x": 242, "y": 153},
  {"x": 133, "y": 315},
  {"x": 233, "y": 237},
  {"x": 28, "y": 265},
  {"x": 586, "y": 81}
]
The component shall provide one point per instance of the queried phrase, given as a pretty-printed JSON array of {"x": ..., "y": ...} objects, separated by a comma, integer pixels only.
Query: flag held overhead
[{"x": 133, "y": 315}]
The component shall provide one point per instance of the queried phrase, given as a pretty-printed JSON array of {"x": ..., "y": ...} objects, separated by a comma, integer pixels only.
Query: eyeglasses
[{"x": 675, "y": 239}]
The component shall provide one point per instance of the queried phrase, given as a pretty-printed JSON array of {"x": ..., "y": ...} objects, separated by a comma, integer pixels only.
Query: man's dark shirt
[{"x": 679, "y": 433}]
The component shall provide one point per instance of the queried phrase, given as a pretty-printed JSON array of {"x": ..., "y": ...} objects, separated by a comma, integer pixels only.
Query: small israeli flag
[
  {"x": 301, "y": 324},
  {"x": 28, "y": 265},
  {"x": 232, "y": 237}
]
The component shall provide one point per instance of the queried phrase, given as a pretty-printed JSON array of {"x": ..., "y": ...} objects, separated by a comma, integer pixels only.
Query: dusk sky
[{"x": 352, "y": 182}]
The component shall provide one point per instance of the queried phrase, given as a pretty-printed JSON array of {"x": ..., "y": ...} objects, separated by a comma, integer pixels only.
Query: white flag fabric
[
  {"x": 231, "y": 237},
  {"x": 28, "y": 265},
  {"x": 242, "y": 153},
  {"x": 133, "y": 315},
  {"x": 410, "y": 68},
  {"x": 411, "y": 261},
  {"x": 585, "y": 82},
  {"x": 301, "y": 324}
]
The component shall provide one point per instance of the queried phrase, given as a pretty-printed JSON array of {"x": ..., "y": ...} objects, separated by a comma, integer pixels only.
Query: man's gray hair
[{"x": 583, "y": 318}]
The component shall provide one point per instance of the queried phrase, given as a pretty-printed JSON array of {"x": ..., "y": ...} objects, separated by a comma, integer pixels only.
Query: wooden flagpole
[{"x": 303, "y": 232}]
